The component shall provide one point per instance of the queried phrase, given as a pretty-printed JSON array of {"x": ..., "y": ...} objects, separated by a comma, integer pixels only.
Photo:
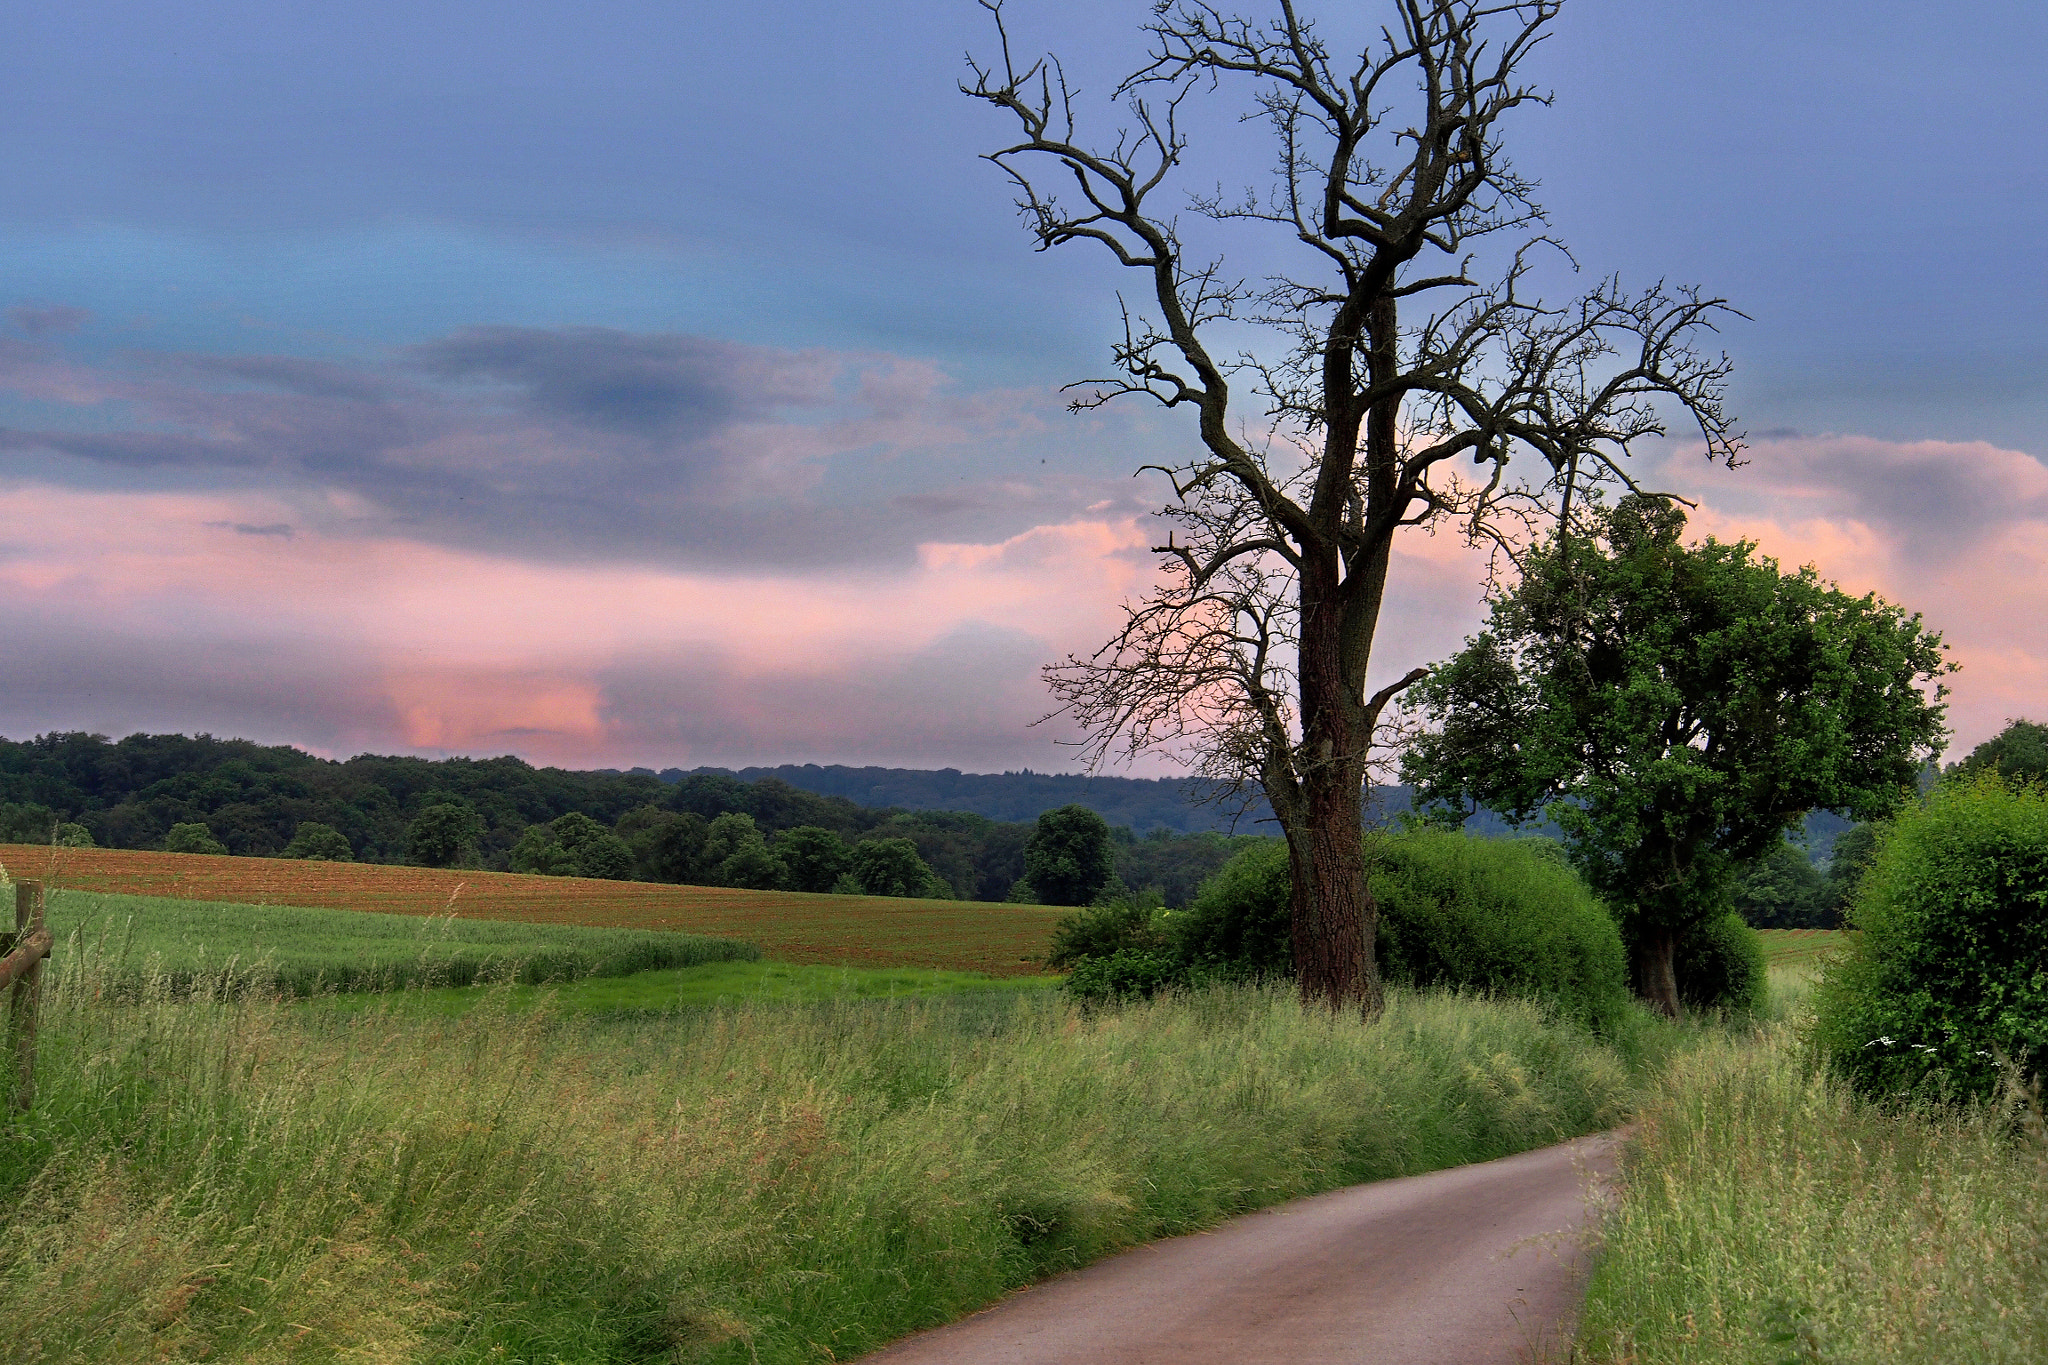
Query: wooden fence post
[{"x": 23, "y": 952}]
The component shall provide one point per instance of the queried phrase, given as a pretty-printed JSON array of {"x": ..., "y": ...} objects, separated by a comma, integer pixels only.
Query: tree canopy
[
  {"x": 1675, "y": 709},
  {"x": 1069, "y": 858}
]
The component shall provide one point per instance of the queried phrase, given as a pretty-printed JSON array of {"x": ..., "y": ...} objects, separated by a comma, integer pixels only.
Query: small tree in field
[
  {"x": 192, "y": 837},
  {"x": 1378, "y": 384},
  {"x": 1674, "y": 710}
]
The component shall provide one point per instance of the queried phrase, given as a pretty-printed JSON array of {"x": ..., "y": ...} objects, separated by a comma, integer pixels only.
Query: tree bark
[
  {"x": 1656, "y": 982},
  {"x": 1335, "y": 919}
]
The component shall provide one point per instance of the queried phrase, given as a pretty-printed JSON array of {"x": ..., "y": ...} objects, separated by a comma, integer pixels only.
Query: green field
[{"x": 300, "y": 951}]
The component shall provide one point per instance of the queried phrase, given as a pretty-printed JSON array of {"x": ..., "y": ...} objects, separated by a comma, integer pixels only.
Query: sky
[{"x": 619, "y": 382}]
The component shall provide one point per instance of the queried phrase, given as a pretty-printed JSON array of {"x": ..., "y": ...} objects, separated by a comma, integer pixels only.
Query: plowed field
[
  {"x": 1800, "y": 946},
  {"x": 1002, "y": 940}
]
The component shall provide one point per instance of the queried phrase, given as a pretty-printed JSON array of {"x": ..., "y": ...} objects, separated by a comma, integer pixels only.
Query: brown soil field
[{"x": 789, "y": 926}]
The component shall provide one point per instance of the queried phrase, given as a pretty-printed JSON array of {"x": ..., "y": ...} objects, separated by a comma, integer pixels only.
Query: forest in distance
[{"x": 969, "y": 829}]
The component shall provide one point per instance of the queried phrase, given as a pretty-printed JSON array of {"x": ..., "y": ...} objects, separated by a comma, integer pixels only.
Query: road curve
[{"x": 1461, "y": 1267}]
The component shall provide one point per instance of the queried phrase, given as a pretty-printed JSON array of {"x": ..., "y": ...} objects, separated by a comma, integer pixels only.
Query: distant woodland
[{"x": 969, "y": 830}]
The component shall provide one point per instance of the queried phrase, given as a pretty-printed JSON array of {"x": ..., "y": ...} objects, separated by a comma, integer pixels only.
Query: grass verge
[
  {"x": 242, "y": 1179},
  {"x": 299, "y": 950},
  {"x": 731, "y": 984},
  {"x": 1770, "y": 1218}
]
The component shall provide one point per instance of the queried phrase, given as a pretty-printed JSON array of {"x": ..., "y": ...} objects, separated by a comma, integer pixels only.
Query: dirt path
[{"x": 1459, "y": 1267}]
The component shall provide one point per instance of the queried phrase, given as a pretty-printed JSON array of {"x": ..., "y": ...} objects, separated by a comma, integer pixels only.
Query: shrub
[
  {"x": 319, "y": 843},
  {"x": 192, "y": 837},
  {"x": 70, "y": 835},
  {"x": 1951, "y": 965},
  {"x": 1126, "y": 974},
  {"x": 1240, "y": 922},
  {"x": 1503, "y": 916},
  {"x": 1720, "y": 965},
  {"x": 1105, "y": 929}
]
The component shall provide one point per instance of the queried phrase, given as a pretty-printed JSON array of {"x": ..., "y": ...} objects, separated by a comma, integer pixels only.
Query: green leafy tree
[
  {"x": 72, "y": 835},
  {"x": 1674, "y": 710},
  {"x": 537, "y": 853},
  {"x": 737, "y": 854},
  {"x": 192, "y": 837},
  {"x": 1783, "y": 890},
  {"x": 2020, "y": 751},
  {"x": 1070, "y": 857},
  {"x": 892, "y": 867},
  {"x": 319, "y": 842},
  {"x": 814, "y": 857},
  {"x": 1853, "y": 850},
  {"x": 445, "y": 834}
]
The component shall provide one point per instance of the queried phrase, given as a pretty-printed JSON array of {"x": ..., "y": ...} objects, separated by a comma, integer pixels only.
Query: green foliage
[
  {"x": 319, "y": 843},
  {"x": 1950, "y": 968},
  {"x": 1502, "y": 916},
  {"x": 1854, "y": 848},
  {"x": 26, "y": 823},
  {"x": 1099, "y": 931},
  {"x": 814, "y": 857},
  {"x": 1069, "y": 858},
  {"x": 892, "y": 867},
  {"x": 1783, "y": 890},
  {"x": 736, "y": 853},
  {"x": 444, "y": 834},
  {"x": 1126, "y": 974},
  {"x": 1239, "y": 924},
  {"x": 70, "y": 835},
  {"x": 1720, "y": 964},
  {"x": 192, "y": 838},
  {"x": 573, "y": 845},
  {"x": 2018, "y": 752},
  {"x": 1674, "y": 709}
]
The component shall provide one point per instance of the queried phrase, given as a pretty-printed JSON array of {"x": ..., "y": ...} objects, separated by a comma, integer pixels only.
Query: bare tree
[{"x": 1394, "y": 387}]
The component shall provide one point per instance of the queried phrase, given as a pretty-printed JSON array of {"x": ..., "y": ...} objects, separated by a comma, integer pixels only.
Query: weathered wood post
[{"x": 21, "y": 965}]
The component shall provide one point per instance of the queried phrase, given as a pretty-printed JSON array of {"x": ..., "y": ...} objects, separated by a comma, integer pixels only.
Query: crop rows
[{"x": 999, "y": 939}]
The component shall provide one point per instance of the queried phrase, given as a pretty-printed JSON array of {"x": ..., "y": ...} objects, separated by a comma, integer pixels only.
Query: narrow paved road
[{"x": 1461, "y": 1267}]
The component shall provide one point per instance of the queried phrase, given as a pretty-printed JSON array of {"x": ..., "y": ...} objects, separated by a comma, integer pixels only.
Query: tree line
[{"x": 200, "y": 793}]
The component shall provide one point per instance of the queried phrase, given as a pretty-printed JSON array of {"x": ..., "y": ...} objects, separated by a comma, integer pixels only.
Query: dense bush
[
  {"x": 1503, "y": 916},
  {"x": 192, "y": 837},
  {"x": 892, "y": 867},
  {"x": 1239, "y": 924},
  {"x": 573, "y": 845},
  {"x": 444, "y": 834},
  {"x": 1720, "y": 965},
  {"x": 1099, "y": 931},
  {"x": 317, "y": 842},
  {"x": 1951, "y": 965}
]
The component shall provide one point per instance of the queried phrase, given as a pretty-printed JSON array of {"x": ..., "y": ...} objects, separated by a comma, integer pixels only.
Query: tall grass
[
  {"x": 299, "y": 950},
  {"x": 1772, "y": 1216},
  {"x": 235, "y": 1179}
]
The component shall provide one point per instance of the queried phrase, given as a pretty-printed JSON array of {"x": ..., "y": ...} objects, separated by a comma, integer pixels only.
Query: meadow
[
  {"x": 244, "y": 1178},
  {"x": 789, "y": 926}
]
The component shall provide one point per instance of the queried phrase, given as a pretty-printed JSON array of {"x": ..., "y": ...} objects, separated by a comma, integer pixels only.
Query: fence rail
[{"x": 21, "y": 969}]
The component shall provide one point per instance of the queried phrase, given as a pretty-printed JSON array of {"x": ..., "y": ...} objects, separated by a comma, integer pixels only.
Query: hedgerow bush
[
  {"x": 1949, "y": 969},
  {"x": 1501, "y": 916},
  {"x": 1504, "y": 916},
  {"x": 1720, "y": 964}
]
